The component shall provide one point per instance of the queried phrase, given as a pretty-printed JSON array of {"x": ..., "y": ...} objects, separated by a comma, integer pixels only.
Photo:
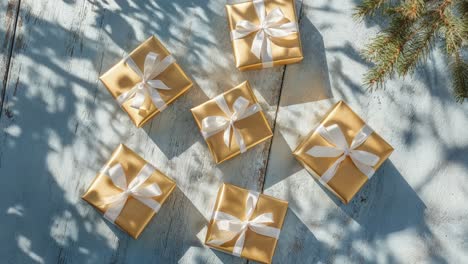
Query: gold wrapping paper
[
  {"x": 254, "y": 129},
  {"x": 285, "y": 50},
  {"x": 232, "y": 200},
  {"x": 135, "y": 215},
  {"x": 122, "y": 78},
  {"x": 348, "y": 179}
]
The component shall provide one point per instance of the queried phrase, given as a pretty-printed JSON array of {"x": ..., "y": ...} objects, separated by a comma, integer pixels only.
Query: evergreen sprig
[{"x": 414, "y": 28}]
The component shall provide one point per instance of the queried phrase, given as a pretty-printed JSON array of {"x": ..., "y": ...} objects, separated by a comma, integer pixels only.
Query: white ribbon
[
  {"x": 153, "y": 66},
  {"x": 214, "y": 124},
  {"x": 271, "y": 25},
  {"x": 143, "y": 194},
  {"x": 362, "y": 159},
  {"x": 235, "y": 226}
]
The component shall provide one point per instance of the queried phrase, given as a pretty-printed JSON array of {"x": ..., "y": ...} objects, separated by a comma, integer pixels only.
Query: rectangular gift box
[
  {"x": 233, "y": 200},
  {"x": 254, "y": 129},
  {"x": 285, "y": 50},
  {"x": 134, "y": 215},
  {"x": 121, "y": 78},
  {"x": 348, "y": 179}
]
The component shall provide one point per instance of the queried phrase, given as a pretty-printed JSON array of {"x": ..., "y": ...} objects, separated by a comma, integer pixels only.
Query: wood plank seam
[
  {"x": 9, "y": 54},
  {"x": 277, "y": 110},
  {"x": 263, "y": 172}
]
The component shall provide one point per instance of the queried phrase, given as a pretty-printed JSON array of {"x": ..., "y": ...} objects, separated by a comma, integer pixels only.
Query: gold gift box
[
  {"x": 254, "y": 129},
  {"x": 285, "y": 50},
  {"x": 122, "y": 78},
  {"x": 135, "y": 215},
  {"x": 348, "y": 179},
  {"x": 232, "y": 200}
]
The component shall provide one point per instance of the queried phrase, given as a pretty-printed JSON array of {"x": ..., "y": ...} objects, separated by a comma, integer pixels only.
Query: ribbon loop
[
  {"x": 237, "y": 227},
  {"x": 144, "y": 194},
  {"x": 270, "y": 25},
  {"x": 153, "y": 67},
  {"x": 212, "y": 125},
  {"x": 363, "y": 160}
]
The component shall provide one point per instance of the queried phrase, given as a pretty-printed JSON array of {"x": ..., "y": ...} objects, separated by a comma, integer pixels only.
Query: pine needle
[{"x": 414, "y": 28}]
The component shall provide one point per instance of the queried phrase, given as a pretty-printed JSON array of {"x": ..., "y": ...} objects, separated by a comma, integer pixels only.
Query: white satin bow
[
  {"x": 362, "y": 159},
  {"x": 214, "y": 124},
  {"x": 271, "y": 25},
  {"x": 143, "y": 194},
  {"x": 227, "y": 222},
  {"x": 153, "y": 66}
]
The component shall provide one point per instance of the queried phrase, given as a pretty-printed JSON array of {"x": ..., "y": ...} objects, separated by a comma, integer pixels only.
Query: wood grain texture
[
  {"x": 59, "y": 125},
  {"x": 64, "y": 125},
  {"x": 413, "y": 210},
  {"x": 8, "y": 20}
]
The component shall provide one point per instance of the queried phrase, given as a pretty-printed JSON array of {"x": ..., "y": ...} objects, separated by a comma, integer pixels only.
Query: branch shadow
[
  {"x": 309, "y": 81},
  {"x": 168, "y": 129},
  {"x": 60, "y": 121},
  {"x": 386, "y": 199},
  {"x": 297, "y": 244}
]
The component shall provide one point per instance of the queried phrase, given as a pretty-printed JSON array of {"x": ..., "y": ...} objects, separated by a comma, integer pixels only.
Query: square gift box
[
  {"x": 129, "y": 191},
  {"x": 245, "y": 223},
  {"x": 146, "y": 81},
  {"x": 264, "y": 33},
  {"x": 343, "y": 152},
  {"x": 232, "y": 122}
]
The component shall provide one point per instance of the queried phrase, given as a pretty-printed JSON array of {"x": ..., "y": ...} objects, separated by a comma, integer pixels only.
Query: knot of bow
[
  {"x": 148, "y": 86},
  {"x": 271, "y": 25},
  {"x": 135, "y": 189},
  {"x": 238, "y": 227},
  {"x": 214, "y": 124},
  {"x": 363, "y": 160}
]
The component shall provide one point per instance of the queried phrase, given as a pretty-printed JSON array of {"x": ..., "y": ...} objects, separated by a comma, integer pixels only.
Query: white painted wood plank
[
  {"x": 414, "y": 209},
  {"x": 63, "y": 125},
  {"x": 8, "y": 15}
]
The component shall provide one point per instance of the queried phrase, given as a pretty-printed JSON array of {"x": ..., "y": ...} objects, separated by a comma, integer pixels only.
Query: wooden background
[{"x": 58, "y": 126}]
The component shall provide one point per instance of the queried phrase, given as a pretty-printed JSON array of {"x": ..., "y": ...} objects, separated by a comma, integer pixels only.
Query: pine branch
[
  {"x": 368, "y": 8},
  {"x": 384, "y": 51},
  {"x": 411, "y": 9},
  {"x": 460, "y": 78},
  {"x": 453, "y": 29},
  {"x": 410, "y": 35},
  {"x": 417, "y": 49}
]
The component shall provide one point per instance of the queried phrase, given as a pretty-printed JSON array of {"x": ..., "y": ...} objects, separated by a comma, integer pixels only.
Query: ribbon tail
[
  {"x": 150, "y": 203},
  {"x": 267, "y": 53},
  {"x": 258, "y": 44},
  {"x": 227, "y": 136},
  {"x": 138, "y": 100},
  {"x": 330, "y": 172},
  {"x": 265, "y": 230},
  {"x": 157, "y": 99},
  {"x": 237, "y": 250},
  {"x": 365, "y": 169},
  {"x": 114, "y": 210},
  {"x": 123, "y": 97},
  {"x": 239, "y": 139}
]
